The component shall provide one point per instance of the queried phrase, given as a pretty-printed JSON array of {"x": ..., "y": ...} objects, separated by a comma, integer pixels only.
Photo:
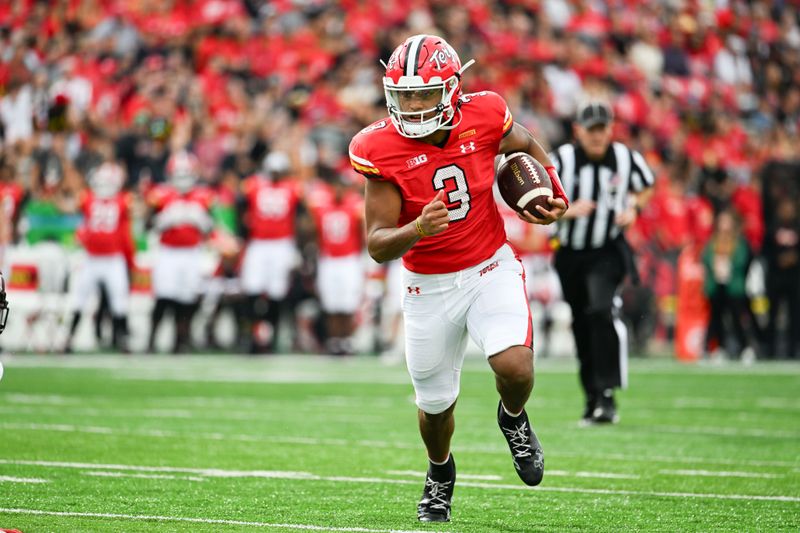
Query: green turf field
[{"x": 219, "y": 444}]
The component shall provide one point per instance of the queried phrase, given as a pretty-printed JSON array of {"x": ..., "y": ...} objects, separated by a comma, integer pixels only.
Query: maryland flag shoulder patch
[
  {"x": 508, "y": 122},
  {"x": 364, "y": 167}
]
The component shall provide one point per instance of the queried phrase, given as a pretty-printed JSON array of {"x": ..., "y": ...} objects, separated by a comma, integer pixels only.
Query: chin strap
[{"x": 558, "y": 189}]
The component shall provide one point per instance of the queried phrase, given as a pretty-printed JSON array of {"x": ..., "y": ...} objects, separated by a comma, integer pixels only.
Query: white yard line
[
  {"x": 215, "y": 472},
  {"x": 305, "y": 527},
  {"x": 375, "y": 444},
  {"x": 161, "y": 433},
  {"x": 728, "y": 404},
  {"x": 725, "y": 432},
  {"x": 207, "y": 472},
  {"x": 599, "y": 475},
  {"x": 144, "y": 476},
  {"x": 256, "y": 376},
  {"x": 718, "y": 473},
  {"x": 44, "y": 399},
  {"x": 616, "y": 492},
  {"x": 420, "y": 474},
  {"x": 10, "y": 479},
  {"x": 252, "y": 416},
  {"x": 778, "y": 403},
  {"x": 679, "y": 459},
  {"x": 313, "y": 363},
  {"x": 556, "y": 473},
  {"x": 96, "y": 412}
]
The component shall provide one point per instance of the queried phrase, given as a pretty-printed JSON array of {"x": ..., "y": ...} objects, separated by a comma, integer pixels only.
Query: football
[{"x": 523, "y": 183}]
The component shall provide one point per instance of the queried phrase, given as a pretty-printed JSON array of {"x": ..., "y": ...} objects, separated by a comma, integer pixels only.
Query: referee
[{"x": 609, "y": 184}]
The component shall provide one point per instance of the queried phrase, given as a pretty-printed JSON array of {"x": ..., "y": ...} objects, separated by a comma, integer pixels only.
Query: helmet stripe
[{"x": 412, "y": 55}]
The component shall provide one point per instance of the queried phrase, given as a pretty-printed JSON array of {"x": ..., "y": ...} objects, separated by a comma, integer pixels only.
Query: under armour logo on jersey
[
  {"x": 467, "y": 147},
  {"x": 413, "y": 290}
]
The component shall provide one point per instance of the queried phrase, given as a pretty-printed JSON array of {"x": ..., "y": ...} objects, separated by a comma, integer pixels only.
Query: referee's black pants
[{"x": 590, "y": 280}]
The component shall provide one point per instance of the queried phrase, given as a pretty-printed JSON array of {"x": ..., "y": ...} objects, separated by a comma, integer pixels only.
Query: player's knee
[
  {"x": 514, "y": 365},
  {"x": 434, "y": 409}
]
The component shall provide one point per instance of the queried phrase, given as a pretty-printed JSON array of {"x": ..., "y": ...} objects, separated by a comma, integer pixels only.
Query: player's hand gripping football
[
  {"x": 557, "y": 209},
  {"x": 434, "y": 218}
]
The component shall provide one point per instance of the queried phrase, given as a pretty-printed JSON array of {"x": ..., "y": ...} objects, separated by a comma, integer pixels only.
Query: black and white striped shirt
[{"x": 607, "y": 183}]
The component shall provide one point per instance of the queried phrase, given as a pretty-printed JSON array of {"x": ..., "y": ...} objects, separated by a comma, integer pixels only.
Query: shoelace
[
  {"x": 437, "y": 491},
  {"x": 519, "y": 440}
]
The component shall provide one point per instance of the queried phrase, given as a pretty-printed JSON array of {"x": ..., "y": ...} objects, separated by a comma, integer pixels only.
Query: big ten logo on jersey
[
  {"x": 372, "y": 127},
  {"x": 103, "y": 217},
  {"x": 336, "y": 226},
  {"x": 273, "y": 203},
  {"x": 417, "y": 161}
]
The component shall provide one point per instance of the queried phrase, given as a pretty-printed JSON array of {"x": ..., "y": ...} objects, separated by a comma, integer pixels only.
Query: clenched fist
[{"x": 434, "y": 218}]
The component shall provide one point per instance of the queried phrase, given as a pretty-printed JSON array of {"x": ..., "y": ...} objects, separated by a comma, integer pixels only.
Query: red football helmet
[
  {"x": 106, "y": 180},
  {"x": 423, "y": 85},
  {"x": 183, "y": 170}
]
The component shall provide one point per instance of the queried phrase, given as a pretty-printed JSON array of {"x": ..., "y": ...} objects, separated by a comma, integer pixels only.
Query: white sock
[
  {"x": 509, "y": 413},
  {"x": 439, "y": 464}
]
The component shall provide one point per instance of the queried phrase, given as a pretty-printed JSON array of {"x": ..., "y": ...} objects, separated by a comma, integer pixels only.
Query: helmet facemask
[
  {"x": 416, "y": 124},
  {"x": 183, "y": 181},
  {"x": 106, "y": 180},
  {"x": 183, "y": 171}
]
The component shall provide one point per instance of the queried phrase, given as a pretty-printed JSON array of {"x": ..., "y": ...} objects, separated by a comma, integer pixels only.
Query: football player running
[{"x": 430, "y": 170}]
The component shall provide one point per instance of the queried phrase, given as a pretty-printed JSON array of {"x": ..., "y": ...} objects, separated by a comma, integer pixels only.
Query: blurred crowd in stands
[{"x": 708, "y": 91}]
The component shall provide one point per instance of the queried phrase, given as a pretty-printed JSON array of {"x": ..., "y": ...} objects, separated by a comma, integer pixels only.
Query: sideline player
[
  {"x": 183, "y": 219},
  {"x": 273, "y": 198},
  {"x": 106, "y": 236},
  {"x": 338, "y": 217},
  {"x": 430, "y": 170}
]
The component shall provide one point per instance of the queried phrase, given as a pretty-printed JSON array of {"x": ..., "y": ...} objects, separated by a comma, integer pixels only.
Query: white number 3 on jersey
[{"x": 460, "y": 194}]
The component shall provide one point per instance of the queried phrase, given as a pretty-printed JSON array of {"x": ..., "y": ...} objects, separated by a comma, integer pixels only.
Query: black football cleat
[
  {"x": 591, "y": 404},
  {"x": 438, "y": 492},
  {"x": 525, "y": 448},
  {"x": 606, "y": 410}
]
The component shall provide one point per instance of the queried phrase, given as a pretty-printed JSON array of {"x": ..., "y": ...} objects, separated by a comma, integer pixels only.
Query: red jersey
[
  {"x": 11, "y": 194},
  {"x": 182, "y": 218},
  {"x": 106, "y": 226},
  {"x": 463, "y": 168},
  {"x": 272, "y": 207},
  {"x": 339, "y": 229}
]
